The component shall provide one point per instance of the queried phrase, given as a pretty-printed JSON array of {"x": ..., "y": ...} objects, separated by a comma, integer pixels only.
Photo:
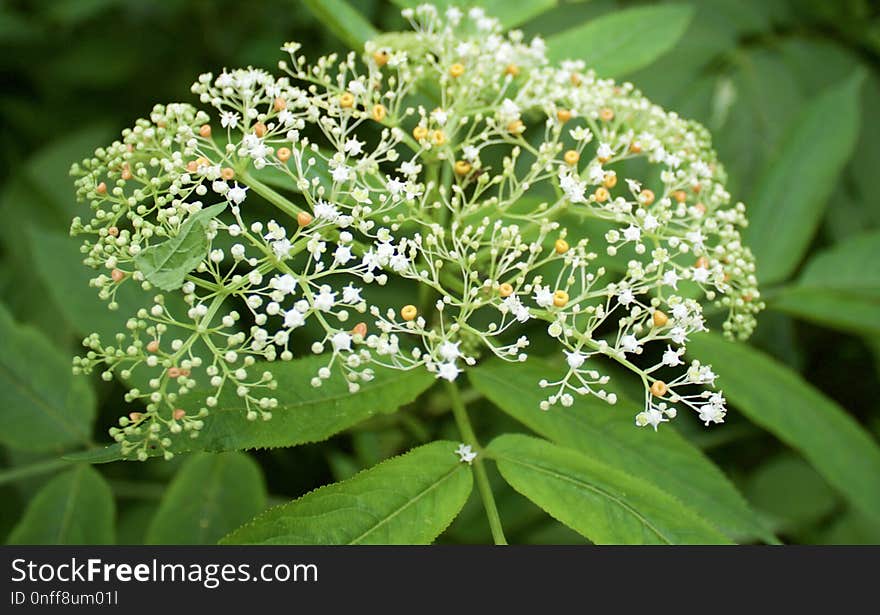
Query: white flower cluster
[{"x": 445, "y": 197}]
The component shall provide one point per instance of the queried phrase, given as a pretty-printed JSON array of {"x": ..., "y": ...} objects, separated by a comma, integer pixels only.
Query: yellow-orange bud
[
  {"x": 420, "y": 132},
  {"x": 205, "y": 130},
  {"x": 659, "y": 388},
  {"x": 610, "y": 179},
  {"x": 601, "y": 195},
  {"x": 571, "y": 157},
  {"x": 505, "y": 290},
  {"x": 563, "y": 115},
  {"x": 560, "y": 298},
  {"x": 379, "y": 112},
  {"x": 283, "y": 154},
  {"x": 561, "y": 246},
  {"x": 303, "y": 218},
  {"x": 456, "y": 70},
  {"x": 409, "y": 312},
  {"x": 462, "y": 167},
  {"x": 346, "y": 100},
  {"x": 660, "y": 318}
]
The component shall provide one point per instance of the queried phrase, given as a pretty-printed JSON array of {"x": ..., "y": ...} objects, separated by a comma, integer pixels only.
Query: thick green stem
[
  {"x": 483, "y": 486},
  {"x": 270, "y": 195}
]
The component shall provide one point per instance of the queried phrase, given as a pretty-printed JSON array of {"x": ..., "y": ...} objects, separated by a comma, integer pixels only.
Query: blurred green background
[{"x": 75, "y": 72}]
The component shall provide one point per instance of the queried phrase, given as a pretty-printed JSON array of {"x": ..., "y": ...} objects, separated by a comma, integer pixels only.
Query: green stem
[
  {"x": 270, "y": 195},
  {"x": 34, "y": 469},
  {"x": 485, "y": 489}
]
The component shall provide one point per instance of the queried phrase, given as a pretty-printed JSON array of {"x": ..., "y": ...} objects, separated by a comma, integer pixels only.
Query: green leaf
[
  {"x": 210, "y": 496},
  {"x": 102, "y": 454},
  {"x": 43, "y": 407},
  {"x": 510, "y": 13},
  {"x": 40, "y": 193},
  {"x": 624, "y": 41},
  {"x": 792, "y": 193},
  {"x": 74, "y": 508},
  {"x": 304, "y": 413},
  {"x": 601, "y": 503},
  {"x": 344, "y": 21},
  {"x": 791, "y": 492},
  {"x": 409, "y": 499},
  {"x": 166, "y": 264},
  {"x": 57, "y": 259},
  {"x": 778, "y": 400},
  {"x": 850, "y": 266},
  {"x": 839, "y": 287},
  {"x": 608, "y": 434},
  {"x": 841, "y": 310}
]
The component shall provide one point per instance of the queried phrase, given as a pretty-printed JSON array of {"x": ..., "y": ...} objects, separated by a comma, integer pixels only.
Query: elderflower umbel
[{"x": 517, "y": 204}]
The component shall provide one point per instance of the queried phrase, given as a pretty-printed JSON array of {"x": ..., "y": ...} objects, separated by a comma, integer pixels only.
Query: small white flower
[
  {"x": 294, "y": 318},
  {"x": 440, "y": 116},
  {"x": 449, "y": 351},
  {"x": 325, "y": 300},
  {"x": 351, "y": 295},
  {"x": 465, "y": 453},
  {"x": 237, "y": 194},
  {"x": 229, "y": 119},
  {"x": 448, "y": 371},
  {"x": 629, "y": 343},
  {"x": 632, "y": 233},
  {"x": 353, "y": 147},
  {"x": 285, "y": 283},
  {"x": 700, "y": 274},
  {"x": 672, "y": 357},
  {"x": 326, "y": 211},
  {"x": 341, "y": 174},
  {"x": 543, "y": 296},
  {"x": 575, "y": 359},
  {"x": 341, "y": 341},
  {"x": 652, "y": 417},
  {"x": 342, "y": 254},
  {"x": 395, "y": 186}
]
